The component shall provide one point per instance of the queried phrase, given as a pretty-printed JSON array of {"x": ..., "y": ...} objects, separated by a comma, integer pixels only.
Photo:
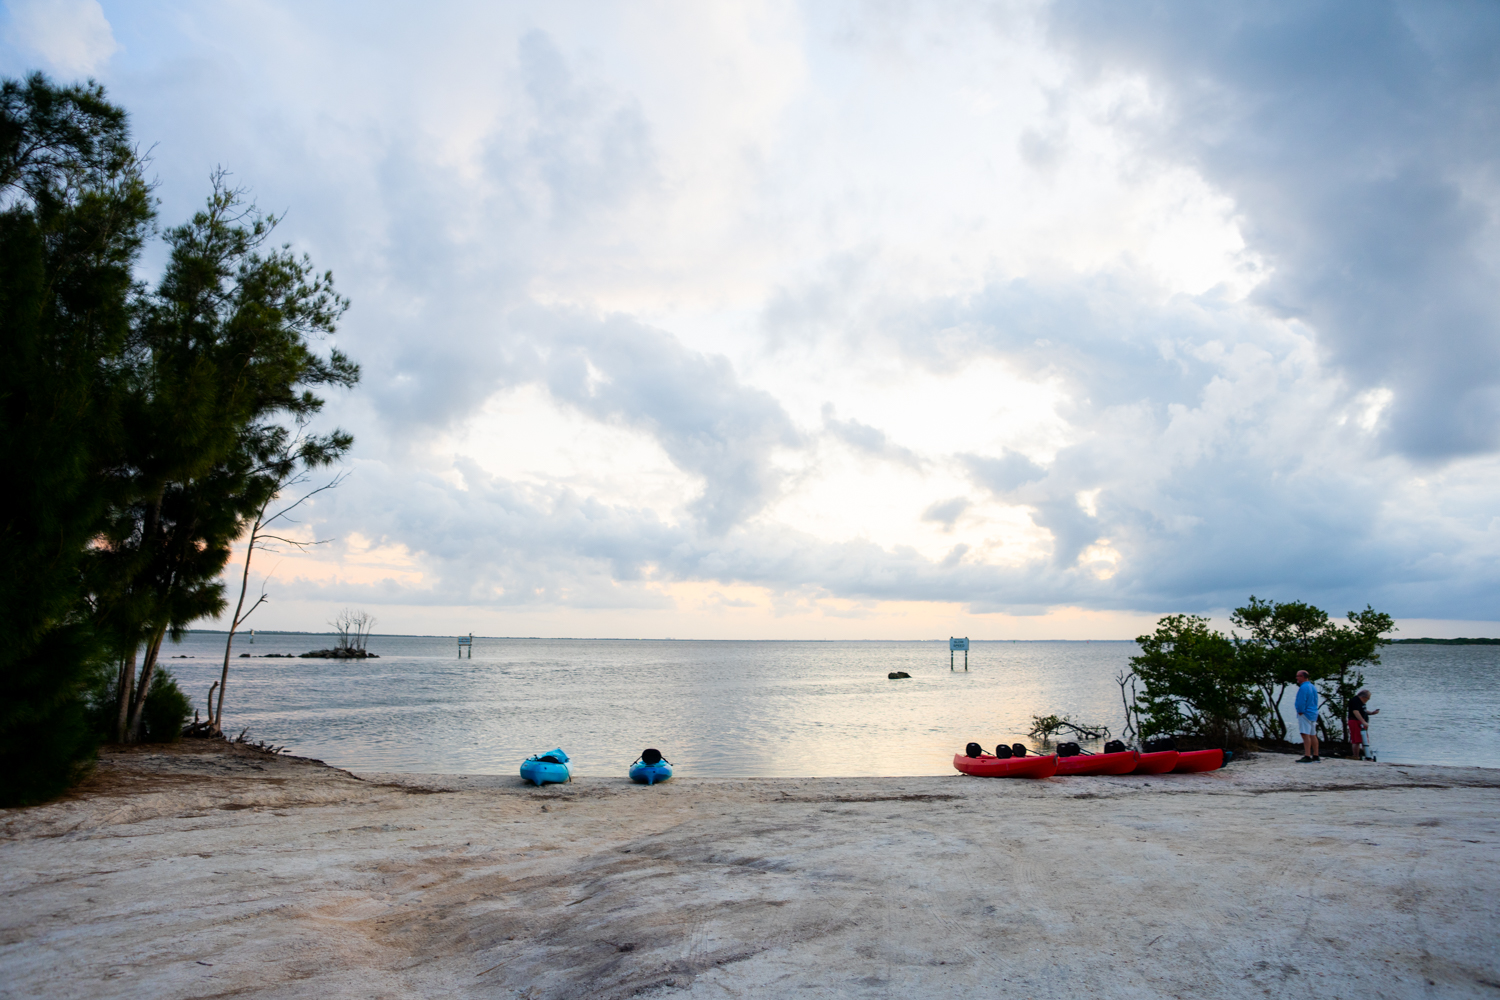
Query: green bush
[
  {"x": 1193, "y": 681},
  {"x": 167, "y": 709},
  {"x": 46, "y": 735},
  {"x": 1196, "y": 681}
]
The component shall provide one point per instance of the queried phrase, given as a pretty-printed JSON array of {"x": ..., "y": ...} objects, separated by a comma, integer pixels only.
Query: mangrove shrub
[{"x": 1193, "y": 680}]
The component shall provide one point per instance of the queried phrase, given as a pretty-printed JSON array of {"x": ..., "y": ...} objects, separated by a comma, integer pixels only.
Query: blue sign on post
[{"x": 954, "y": 645}]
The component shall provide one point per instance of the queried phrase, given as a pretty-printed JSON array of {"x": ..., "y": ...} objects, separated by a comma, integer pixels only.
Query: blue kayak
[
  {"x": 650, "y": 767},
  {"x": 544, "y": 767}
]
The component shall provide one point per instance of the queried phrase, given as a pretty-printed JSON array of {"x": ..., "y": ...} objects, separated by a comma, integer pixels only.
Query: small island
[{"x": 352, "y": 629}]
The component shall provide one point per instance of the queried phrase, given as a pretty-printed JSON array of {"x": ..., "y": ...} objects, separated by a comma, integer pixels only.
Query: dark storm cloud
[{"x": 1359, "y": 141}]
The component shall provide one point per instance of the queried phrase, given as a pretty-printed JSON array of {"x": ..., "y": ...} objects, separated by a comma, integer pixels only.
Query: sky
[{"x": 862, "y": 320}]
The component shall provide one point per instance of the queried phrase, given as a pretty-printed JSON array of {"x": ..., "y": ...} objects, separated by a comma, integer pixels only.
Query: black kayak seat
[
  {"x": 549, "y": 759},
  {"x": 649, "y": 756},
  {"x": 1019, "y": 749}
]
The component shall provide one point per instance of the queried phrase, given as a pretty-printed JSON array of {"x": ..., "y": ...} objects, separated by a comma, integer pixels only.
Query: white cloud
[
  {"x": 72, "y": 36},
  {"x": 525, "y": 434},
  {"x": 762, "y": 316},
  {"x": 1358, "y": 144}
]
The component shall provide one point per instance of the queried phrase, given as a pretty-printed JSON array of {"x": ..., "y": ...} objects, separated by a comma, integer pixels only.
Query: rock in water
[{"x": 897, "y": 675}]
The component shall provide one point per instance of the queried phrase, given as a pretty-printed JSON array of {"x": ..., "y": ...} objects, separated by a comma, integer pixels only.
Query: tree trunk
[
  {"x": 123, "y": 691},
  {"x": 1340, "y": 708},
  {"x": 148, "y": 669},
  {"x": 216, "y": 715},
  {"x": 1273, "y": 726},
  {"x": 1278, "y": 721}
]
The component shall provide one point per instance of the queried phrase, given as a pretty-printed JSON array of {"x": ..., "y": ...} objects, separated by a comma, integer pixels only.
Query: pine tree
[
  {"x": 76, "y": 213},
  {"x": 221, "y": 360},
  {"x": 144, "y": 430}
]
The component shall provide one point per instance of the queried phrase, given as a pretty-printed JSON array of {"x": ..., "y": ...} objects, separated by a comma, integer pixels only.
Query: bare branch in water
[
  {"x": 1043, "y": 726},
  {"x": 1122, "y": 678}
]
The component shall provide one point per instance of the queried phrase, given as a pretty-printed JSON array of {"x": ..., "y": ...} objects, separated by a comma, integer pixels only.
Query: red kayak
[
  {"x": 1156, "y": 763},
  {"x": 1098, "y": 763},
  {"x": 1199, "y": 760},
  {"x": 985, "y": 766}
]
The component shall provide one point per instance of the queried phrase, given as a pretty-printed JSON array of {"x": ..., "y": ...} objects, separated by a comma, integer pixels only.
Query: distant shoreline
[
  {"x": 620, "y": 638},
  {"x": 1479, "y": 641}
]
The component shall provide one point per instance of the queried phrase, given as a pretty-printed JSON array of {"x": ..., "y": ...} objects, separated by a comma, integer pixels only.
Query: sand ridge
[{"x": 212, "y": 871}]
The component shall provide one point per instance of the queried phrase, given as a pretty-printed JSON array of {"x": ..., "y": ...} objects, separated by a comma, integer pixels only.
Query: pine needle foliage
[
  {"x": 74, "y": 214},
  {"x": 144, "y": 427}
]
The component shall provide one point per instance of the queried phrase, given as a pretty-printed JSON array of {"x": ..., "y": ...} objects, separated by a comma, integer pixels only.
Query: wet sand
[{"x": 203, "y": 872}]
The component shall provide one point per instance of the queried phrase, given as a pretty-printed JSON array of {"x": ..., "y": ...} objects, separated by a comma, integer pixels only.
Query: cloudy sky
[{"x": 865, "y": 320}]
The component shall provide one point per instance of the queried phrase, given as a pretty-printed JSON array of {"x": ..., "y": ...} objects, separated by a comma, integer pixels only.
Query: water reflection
[{"x": 742, "y": 709}]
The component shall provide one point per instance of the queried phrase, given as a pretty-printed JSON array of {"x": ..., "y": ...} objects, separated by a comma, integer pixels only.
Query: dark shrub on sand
[{"x": 167, "y": 710}]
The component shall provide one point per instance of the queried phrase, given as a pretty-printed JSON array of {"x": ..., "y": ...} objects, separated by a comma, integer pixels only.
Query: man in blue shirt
[{"x": 1307, "y": 718}]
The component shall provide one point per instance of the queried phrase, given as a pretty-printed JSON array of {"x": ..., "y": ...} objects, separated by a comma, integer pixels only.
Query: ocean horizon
[{"x": 743, "y": 708}]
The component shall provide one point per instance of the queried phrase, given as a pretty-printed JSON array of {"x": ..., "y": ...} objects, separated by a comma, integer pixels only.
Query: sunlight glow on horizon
[{"x": 776, "y": 318}]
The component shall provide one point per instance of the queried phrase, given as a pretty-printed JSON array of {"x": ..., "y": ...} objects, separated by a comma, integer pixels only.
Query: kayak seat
[
  {"x": 1004, "y": 752},
  {"x": 650, "y": 756},
  {"x": 973, "y": 750},
  {"x": 549, "y": 759},
  {"x": 1019, "y": 749}
]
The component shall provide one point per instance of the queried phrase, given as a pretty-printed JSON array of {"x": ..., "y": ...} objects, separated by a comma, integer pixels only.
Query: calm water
[{"x": 743, "y": 709}]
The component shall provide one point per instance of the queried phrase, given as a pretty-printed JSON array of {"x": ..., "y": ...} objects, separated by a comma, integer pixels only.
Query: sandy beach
[{"x": 205, "y": 871}]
